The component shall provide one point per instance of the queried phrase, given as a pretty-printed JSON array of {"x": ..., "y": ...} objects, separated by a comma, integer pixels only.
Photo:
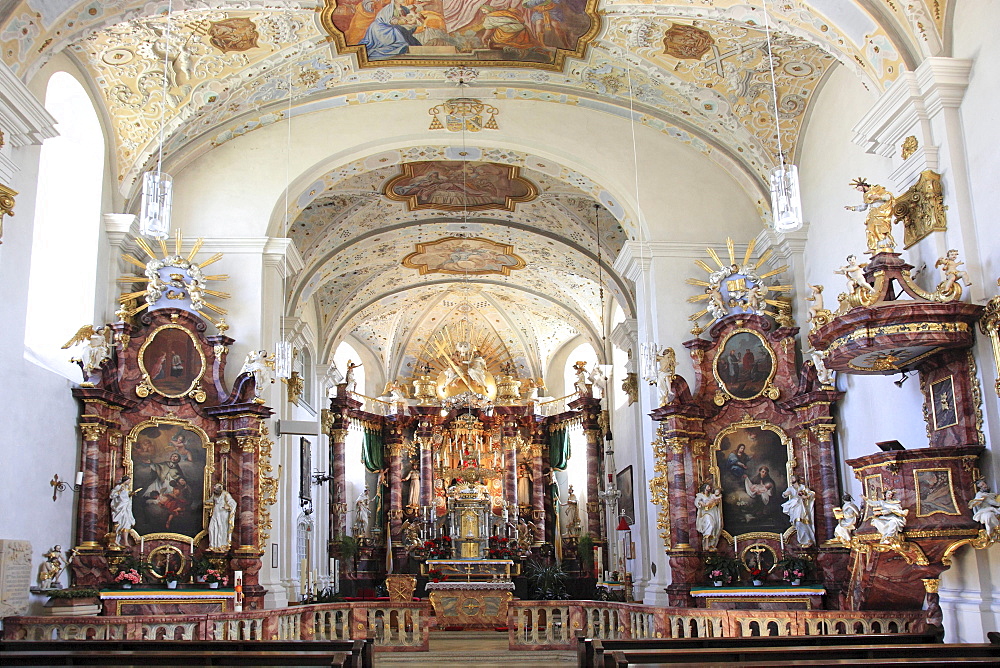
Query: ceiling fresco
[{"x": 200, "y": 73}]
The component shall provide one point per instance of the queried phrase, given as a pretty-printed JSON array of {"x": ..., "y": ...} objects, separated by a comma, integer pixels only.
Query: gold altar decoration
[
  {"x": 989, "y": 324},
  {"x": 736, "y": 288},
  {"x": 921, "y": 208},
  {"x": 173, "y": 280},
  {"x": 401, "y": 587},
  {"x": 483, "y": 608},
  {"x": 6, "y": 205},
  {"x": 909, "y": 147}
]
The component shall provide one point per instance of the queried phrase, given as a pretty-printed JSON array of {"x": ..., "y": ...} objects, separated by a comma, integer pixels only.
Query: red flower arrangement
[{"x": 498, "y": 548}]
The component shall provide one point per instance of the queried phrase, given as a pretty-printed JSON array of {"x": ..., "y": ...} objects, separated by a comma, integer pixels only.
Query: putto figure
[{"x": 951, "y": 286}]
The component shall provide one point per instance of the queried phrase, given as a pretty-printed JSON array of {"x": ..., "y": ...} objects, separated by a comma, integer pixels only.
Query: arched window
[{"x": 63, "y": 276}]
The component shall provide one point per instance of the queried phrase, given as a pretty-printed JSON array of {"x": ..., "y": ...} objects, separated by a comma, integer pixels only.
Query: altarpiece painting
[{"x": 752, "y": 461}]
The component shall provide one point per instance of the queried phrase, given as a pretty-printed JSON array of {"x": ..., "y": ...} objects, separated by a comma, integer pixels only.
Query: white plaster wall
[
  {"x": 874, "y": 409},
  {"x": 970, "y": 590}
]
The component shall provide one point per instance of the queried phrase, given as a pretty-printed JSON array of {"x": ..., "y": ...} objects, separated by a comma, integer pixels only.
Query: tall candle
[
  {"x": 142, "y": 544},
  {"x": 79, "y": 477}
]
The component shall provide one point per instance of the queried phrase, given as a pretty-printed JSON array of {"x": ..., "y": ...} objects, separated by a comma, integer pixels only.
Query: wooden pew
[
  {"x": 150, "y": 659},
  {"x": 587, "y": 658},
  {"x": 361, "y": 653},
  {"x": 794, "y": 655},
  {"x": 959, "y": 662}
]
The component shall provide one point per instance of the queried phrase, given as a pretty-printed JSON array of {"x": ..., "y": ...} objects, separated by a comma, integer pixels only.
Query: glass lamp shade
[
  {"x": 786, "y": 200},
  {"x": 647, "y": 361},
  {"x": 283, "y": 359},
  {"x": 157, "y": 197}
]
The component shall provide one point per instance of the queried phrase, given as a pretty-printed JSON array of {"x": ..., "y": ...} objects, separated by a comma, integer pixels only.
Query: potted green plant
[
  {"x": 199, "y": 567},
  {"x": 546, "y": 581},
  {"x": 344, "y": 547},
  {"x": 793, "y": 569},
  {"x": 170, "y": 579},
  {"x": 721, "y": 570}
]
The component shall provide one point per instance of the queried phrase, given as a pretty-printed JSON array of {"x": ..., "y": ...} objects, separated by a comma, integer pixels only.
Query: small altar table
[
  {"x": 471, "y": 604},
  {"x": 167, "y": 601},
  {"x": 769, "y": 597}
]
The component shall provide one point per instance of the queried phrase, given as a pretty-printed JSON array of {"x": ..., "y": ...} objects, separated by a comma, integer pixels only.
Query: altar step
[{"x": 481, "y": 649}]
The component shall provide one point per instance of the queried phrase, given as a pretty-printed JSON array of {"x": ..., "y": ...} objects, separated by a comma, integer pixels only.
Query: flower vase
[
  {"x": 717, "y": 583},
  {"x": 796, "y": 582},
  {"x": 172, "y": 584},
  {"x": 126, "y": 585},
  {"x": 757, "y": 583},
  {"x": 213, "y": 585}
]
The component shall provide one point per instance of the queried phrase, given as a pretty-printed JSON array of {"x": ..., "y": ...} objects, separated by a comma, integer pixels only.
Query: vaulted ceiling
[{"x": 695, "y": 71}]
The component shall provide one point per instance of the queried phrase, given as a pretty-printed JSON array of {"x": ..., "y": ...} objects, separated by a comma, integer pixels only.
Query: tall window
[{"x": 61, "y": 284}]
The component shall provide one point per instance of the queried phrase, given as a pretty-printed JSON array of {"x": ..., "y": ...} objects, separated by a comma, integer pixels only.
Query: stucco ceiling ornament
[
  {"x": 686, "y": 42},
  {"x": 234, "y": 34}
]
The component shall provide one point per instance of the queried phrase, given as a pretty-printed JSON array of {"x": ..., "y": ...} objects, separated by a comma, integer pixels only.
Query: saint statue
[
  {"x": 986, "y": 509},
  {"x": 121, "y": 509},
  {"x": 878, "y": 202},
  {"x": 799, "y": 507},
  {"x": 667, "y": 363},
  {"x": 888, "y": 516},
  {"x": 220, "y": 525},
  {"x": 708, "y": 501},
  {"x": 256, "y": 364},
  {"x": 361, "y": 512},
  {"x": 53, "y": 566},
  {"x": 572, "y": 511},
  {"x": 414, "y": 478},
  {"x": 847, "y": 520},
  {"x": 523, "y": 485},
  {"x": 583, "y": 380},
  {"x": 350, "y": 380}
]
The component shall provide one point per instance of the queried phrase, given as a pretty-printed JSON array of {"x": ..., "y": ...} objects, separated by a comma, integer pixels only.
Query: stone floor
[{"x": 481, "y": 649}]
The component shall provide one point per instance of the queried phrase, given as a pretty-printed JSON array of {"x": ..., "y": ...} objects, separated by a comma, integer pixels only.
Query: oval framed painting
[
  {"x": 171, "y": 361},
  {"x": 745, "y": 365}
]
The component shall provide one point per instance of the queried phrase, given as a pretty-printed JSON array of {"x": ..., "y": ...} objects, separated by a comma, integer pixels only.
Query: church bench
[
  {"x": 959, "y": 662},
  {"x": 360, "y": 652},
  {"x": 797, "y": 654},
  {"x": 151, "y": 659},
  {"x": 586, "y": 654}
]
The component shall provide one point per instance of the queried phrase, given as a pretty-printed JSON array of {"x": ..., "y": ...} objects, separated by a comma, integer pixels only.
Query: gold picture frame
[{"x": 742, "y": 380}]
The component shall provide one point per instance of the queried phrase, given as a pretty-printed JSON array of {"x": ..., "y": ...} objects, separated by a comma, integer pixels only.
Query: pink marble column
[
  {"x": 679, "y": 520},
  {"x": 88, "y": 529},
  {"x": 426, "y": 473},
  {"x": 510, "y": 443},
  {"x": 246, "y": 530},
  {"x": 537, "y": 490},
  {"x": 338, "y": 497},
  {"x": 824, "y": 482},
  {"x": 395, "y": 489},
  {"x": 594, "y": 458}
]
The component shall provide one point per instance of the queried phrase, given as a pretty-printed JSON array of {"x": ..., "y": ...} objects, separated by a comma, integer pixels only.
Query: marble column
[
  {"x": 595, "y": 453},
  {"x": 824, "y": 483},
  {"x": 679, "y": 518},
  {"x": 88, "y": 531},
  {"x": 537, "y": 490},
  {"x": 395, "y": 488},
  {"x": 247, "y": 507},
  {"x": 511, "y": 441},
  {"x": 338, "y": 497},
  {"x": 426, "y": 472}
]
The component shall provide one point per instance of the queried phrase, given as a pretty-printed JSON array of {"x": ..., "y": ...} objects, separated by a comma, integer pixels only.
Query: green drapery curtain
[
  {"x": 372, "y": 453},
  {"x": 373, "y": 456},
  {"x": 558, "y": 448}
]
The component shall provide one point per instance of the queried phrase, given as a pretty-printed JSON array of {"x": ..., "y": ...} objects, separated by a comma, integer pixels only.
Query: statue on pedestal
[
  {"x": 220, "y": 526},
  {"x": 121, "y": 510},
  {"x": 53, "y": 566},
  {"x": 986, "y": 509},
  {"x": 847, "y": 517},
  {"x": 888, "y": 516},
  {"x": 361, "y": 512},
  {"x": 708, "y": 501},
  {"x": 878, "y": 202},
  {"x": 799, "y": 508}
]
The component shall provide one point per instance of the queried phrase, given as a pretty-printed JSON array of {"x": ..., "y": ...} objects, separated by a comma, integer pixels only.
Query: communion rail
[
  {"x": 394, "y": 627},
  {"x": 553, "y": 624}
]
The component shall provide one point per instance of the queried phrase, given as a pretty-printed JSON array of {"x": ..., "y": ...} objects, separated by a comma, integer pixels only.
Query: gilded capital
[
  {"x": 931, "y": 585},
  {"x": 824, "y": 432},
  {"x": 246, "y": 443},
  {"x": 394, "y": 449},
  {"x": 92, "y": 431}
]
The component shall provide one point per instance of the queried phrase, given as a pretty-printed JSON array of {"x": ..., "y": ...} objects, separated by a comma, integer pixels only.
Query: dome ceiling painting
[{"x": 516, "y": 230}]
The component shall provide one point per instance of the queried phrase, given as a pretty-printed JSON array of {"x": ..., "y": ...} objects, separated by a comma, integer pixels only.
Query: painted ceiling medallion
[
  {"x": 449, "y": 33},
  {"x": 686, "y": 42},
  {"x": 236, "y": 34},
  {"x": 456, "y": 185},
  {"x": 460, "y": 255}
]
